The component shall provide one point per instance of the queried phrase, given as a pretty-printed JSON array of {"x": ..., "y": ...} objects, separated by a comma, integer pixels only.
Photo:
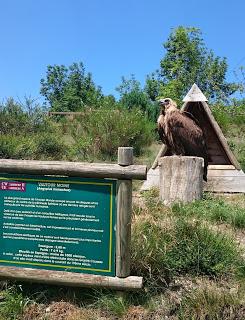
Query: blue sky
[{"x": 112, "y": 38}]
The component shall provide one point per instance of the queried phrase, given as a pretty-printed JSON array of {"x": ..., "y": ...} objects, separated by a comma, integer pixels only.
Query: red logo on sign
[{"x": 13, "y": 186}]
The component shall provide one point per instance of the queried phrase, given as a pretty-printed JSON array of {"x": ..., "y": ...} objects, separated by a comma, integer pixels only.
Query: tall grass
[
  {"x": 211, "y": 302},
  {"x": 179, "y": 241},
  {"x": 213, "y": 209},
  {"x": 179, "y": 247},
  {"x": 12, "y": 304},
  {"x": 98, "y": 133}
]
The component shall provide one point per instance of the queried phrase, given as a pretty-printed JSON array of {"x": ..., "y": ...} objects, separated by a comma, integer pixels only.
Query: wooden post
[
  {"x": 181, "y": 179},
  {"x": 124, "y": 212},
  {"x": 161, "y": 152},
  {"x": 70, "y": 278}
]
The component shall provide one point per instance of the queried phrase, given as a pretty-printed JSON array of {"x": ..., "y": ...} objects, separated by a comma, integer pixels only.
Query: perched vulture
[{"x": 180, "y": 131}]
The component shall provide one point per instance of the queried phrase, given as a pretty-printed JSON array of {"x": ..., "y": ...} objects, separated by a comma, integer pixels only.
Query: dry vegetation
[
  {"x": 192, "y": 264},
  {"x": 191, "y": 256}
]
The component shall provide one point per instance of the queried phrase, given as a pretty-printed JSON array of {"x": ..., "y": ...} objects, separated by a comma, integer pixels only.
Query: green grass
[
  {"x": 179, "y": 247},
  {"x": 111, "y": 303},
  {"x": 214, "y": 210},
  {"x": 172, "y": 248},
  {"x": 12, "y": 304},
  {"x": 211, "y": 302}
]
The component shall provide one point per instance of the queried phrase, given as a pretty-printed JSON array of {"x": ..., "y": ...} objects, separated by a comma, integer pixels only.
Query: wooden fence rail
[
  {"x": 74, "y": 169},
  {"x": 124, "y": 171}
]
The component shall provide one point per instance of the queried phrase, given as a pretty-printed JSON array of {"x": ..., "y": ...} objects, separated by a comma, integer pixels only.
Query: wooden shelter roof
[{"x": 219, "y": 152}]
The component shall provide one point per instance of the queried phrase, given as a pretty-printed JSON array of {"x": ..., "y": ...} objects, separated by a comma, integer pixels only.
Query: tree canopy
[
  {"x": 133, "y": 96},
  {"x": 187, "y": 61},
  {"x": 70, "y": 89}
]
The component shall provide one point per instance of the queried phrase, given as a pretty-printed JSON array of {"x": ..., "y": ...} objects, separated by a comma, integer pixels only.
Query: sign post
[
  {"x": 58, "y": 224},
  {"x": 72, "y": 229}
]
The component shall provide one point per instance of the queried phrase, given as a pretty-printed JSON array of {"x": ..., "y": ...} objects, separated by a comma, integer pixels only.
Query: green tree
[
  {"x": 70, "y": 89},
  {"x": 133, "y": 96},
  {"x": 187, "y": 60},
  {"x": 152, "y": 85}
]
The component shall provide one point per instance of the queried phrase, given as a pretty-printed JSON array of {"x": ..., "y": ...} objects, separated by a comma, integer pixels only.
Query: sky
[{"x": 112, "y": 38}]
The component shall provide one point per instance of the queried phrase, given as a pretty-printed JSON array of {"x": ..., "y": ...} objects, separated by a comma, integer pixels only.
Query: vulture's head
[{"x": 167, "y": 104}]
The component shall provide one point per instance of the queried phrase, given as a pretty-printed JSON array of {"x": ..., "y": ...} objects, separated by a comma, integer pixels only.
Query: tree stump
[{"x": 181, "y": 179}]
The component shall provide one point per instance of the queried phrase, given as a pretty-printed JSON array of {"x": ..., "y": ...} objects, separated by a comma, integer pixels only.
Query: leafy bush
[
  {"x": 237, "y": 145},
  {"x": 15, "y": 120},
  {"x": 28, "y": 134},
  {"x": 99, "y": 133},
  {"x": 15, "y": 147},
  {"x": 48, "y": 146},
  {"x": 229, "y": 115},
  {"x": 232, "y": 121},
  {"x": 41, "y": 146}
]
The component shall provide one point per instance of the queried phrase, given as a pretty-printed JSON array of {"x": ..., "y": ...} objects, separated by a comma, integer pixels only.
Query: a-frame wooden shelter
[{"x": 224, "y": 171}]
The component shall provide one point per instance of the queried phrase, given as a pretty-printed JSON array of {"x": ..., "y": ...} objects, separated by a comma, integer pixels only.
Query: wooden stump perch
[{"x": 181, "y": 179}]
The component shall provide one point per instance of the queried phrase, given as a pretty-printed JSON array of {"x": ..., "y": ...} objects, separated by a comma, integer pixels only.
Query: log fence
[{"x": 125, "y": 171}]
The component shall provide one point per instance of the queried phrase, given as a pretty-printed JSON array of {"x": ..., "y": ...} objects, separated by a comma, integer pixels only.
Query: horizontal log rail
[
  {"x": 73, "y": 169},
  {"x": 70, "y": 278},
  {"x": 54, "y": 113}
]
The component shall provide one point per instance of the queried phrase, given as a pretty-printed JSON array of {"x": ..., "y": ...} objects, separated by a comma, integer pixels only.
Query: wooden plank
[
  {"x": 226, "y": 184},
  {"x": 70, "y": 278},
  {"x": 65, "y": 113},
  {"x": 221, "y": 167},
  {"x": 194, "y": 95},
  {"x": 215, "y": 154},
  {"x": 225, "y": 173},
  {"x": 152, "y": 180},
  {"x": 221, "y": 137},
  {"x": 219, "y": 159},
  {"x": 160, "y": 154},
  {"x": 124, "y": 214},
  {"x": 123, "y": 235},
  {"x": 73, "y": 169},
  {"x": 217, "y": 181}
]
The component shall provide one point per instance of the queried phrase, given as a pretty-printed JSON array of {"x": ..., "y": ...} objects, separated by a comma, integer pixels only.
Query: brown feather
[{"x": 181, "y": 133}]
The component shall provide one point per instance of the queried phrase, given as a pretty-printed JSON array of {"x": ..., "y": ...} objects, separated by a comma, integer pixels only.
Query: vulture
[{"x": 181, "y": 132}]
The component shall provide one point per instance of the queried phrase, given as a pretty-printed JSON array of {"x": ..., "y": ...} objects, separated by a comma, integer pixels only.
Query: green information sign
[{"x": 58, "y": 223}]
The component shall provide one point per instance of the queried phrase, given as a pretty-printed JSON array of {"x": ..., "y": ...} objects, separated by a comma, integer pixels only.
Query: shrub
[
  {"x": 232, "y": 121},
  {"x": 99, "y": 133},
  {"x": 48, "y": 146},
  {"x": 176, "y": 247},
  {"x": 222, "y": 117},
  {"x": 15, "y": 147},
  {"x": 14, "y": 120},
  {"x": 36, "y": 146},
  {"x": 228, "y": 115}
]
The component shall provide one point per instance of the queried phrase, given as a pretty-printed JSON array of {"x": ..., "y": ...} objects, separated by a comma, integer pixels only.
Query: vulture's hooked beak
[{"x": 164, "y": 102}]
